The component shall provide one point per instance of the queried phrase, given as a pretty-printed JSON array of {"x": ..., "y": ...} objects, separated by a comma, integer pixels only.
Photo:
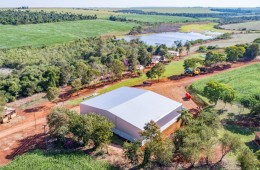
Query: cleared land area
[
  {"x": 65, "y": 161},
  {"x": 53, "y": 33},
  {"x": 240, "y": 26},
  {"x": 245, "y": 81}
]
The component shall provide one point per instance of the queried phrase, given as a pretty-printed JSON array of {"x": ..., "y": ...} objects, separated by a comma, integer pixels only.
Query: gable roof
[{"x": 133, "y": 105}]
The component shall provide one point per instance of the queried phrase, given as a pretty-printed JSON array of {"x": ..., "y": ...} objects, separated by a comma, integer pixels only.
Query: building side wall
[
  {"x": 169, "y": 119},
  {"x": 122, "y": 128}
]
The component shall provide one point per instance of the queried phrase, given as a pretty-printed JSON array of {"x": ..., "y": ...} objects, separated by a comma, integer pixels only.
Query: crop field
[
  {"x": 179, "y": 10},
  {"x": 246, "y": 25},
  {"x": 53, "y": 33},
  {"x": 245, "y": 81},
  {"x": 65, "y": 161},
  {"x": 201, "y": 28}
]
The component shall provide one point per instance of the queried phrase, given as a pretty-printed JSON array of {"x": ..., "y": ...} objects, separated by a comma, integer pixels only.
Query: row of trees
[
  {"x": 85, "y": 129},
  {"x": 233, "y": 54},
  {"x": 18, "y": 17}
]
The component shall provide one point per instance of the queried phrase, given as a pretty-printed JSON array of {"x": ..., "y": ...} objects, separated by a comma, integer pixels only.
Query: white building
[
  {"x": 156, "y": 59},
  {"x": 174, "y": 53},
  {"x": 131, "y": 108}
]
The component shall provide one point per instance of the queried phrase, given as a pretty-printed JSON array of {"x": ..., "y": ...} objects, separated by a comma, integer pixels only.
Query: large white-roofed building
[{"x": 131, "y": 108}]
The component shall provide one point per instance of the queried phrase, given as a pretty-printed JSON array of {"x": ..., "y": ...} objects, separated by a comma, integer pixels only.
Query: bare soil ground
[{"x": 23, "y": 127}]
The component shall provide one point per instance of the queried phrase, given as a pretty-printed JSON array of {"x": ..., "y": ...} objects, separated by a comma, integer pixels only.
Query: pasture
[
  {"x": 54, "y": 33},
  {"x": 243, "y": 26},
  {"x": 65, "y": 161},
  {"x": 245, "y": 81}
]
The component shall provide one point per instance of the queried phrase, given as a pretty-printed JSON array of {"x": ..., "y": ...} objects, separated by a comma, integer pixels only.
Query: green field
[
  {"x": 65, "y": 161},
  {"x": 179, "y": 10},
  {"x": 53, "y": 33},
  {"x": 245, "y": 81},
  {"x": 246, "y": 25}
]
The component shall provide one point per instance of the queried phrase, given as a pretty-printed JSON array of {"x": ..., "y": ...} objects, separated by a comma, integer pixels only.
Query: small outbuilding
[
  {"x": 9, "y": 113},
  {"x": 131, "y": 108}
]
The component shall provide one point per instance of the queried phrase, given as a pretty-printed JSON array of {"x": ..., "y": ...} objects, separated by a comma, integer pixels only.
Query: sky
[{"x": 130, "y": 3}]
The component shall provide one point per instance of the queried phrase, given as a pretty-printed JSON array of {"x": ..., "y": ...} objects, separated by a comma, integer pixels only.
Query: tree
[
  {"x": 158, "y": 69},
  {"x": 185, "y": 117},
  {"x": 252, "y": 51},
  {"x": 76, "y": 85},
  {"x": 102, "y": 130},
  {"x": 117, "y": 68},
  {"x": 187, "y": 45},
  {"x": 214, "y": 58},
  {"x": 132, "y": 151},
  {"x": 234, "y": 52},
  {"x": 53, "y": 93},
  {"x": 248, "y": 160},
  {"x": 190, "y": 149},
  {"x": 228, "y": 94},
  {"x": 2, "y": 105},
  {"x": 58, "y": 122},
  {"x": 132, "y": 61},
  {"x": 81, "y": 127},
  {"x": 192, "y": 63},
  {"x": 150, "y": 74},
  {"x": 156, "y": 145},
  {"x": 255, "y": 110},
  {"x": 229, "y": 143},
  {"x": 215, "y": 91}
]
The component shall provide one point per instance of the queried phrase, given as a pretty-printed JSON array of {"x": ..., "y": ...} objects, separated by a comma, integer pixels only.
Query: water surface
[{"x": 167, "y": 38}]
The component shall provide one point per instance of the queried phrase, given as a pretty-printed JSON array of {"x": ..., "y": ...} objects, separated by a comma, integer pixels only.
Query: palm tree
[{"x": 185, "y": 117}]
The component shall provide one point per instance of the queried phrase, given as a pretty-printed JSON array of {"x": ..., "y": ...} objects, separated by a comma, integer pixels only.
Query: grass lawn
[
  {"x": 64, "y": 161},
  {"x": 245, "y": 81},
  {"x": 53, "y": 33},
  {"x": 246, "y": 25},
  {"x": 201, "y": 28}
]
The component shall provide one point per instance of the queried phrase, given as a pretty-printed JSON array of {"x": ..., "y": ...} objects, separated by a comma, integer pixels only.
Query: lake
[{"x": 169, "y": 37}]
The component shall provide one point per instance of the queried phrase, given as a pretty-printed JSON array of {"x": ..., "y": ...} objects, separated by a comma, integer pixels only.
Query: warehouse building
[{"x": 131, "y": 108}]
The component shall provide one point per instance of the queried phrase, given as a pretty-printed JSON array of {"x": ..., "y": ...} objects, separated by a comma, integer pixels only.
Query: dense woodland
[
  {"x": 18, "y": 17},
  {"x": 37, "y": 69}
]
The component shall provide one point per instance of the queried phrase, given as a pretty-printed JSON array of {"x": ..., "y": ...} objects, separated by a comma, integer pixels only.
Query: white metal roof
[{"x": 133, "y": 105}]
